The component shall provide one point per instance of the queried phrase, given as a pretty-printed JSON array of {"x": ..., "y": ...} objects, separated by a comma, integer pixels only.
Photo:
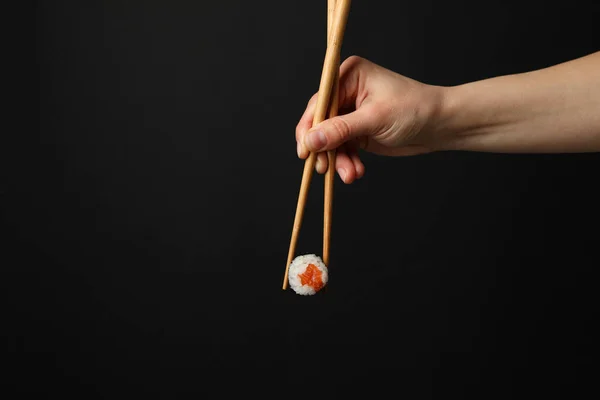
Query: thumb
[{"x": 333, "y": 132}]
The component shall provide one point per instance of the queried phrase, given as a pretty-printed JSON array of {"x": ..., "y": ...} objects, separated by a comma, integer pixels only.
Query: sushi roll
[{"x": 308, "y": 274}]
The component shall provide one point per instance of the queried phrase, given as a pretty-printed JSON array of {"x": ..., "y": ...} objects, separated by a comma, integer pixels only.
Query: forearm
[{"x": 556, "y": 109}]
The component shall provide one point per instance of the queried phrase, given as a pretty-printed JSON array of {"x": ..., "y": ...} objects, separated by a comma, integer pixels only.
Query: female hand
[
  {"x": 380, "y": 111},
  {"x": 551, "y": 110}
]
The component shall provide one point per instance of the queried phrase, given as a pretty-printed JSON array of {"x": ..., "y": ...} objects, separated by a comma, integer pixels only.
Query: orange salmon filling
[{"x": 312, "y": 277}]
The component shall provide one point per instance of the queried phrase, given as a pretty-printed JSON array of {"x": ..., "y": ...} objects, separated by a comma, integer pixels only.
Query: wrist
[{"x": 452, "y": 124}]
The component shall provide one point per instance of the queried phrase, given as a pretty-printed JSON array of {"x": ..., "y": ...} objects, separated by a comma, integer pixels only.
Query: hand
[{"x": 381, "y": 112}]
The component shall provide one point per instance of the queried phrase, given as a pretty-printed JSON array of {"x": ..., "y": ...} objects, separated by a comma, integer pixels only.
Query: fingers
[
  {"x": 333, "y": 132},
  {"x": 304, "y": 125},
  {"x": 348, "y": 164},
  {"x": 352, "y": 92},
  {"x": 359, "y": 167},
  {"x": 321, "y": 165},
  {"x": 344, "y": 166}
]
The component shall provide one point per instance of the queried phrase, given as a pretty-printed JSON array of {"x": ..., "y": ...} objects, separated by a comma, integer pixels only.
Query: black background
[{"x": 148, "y": 207}]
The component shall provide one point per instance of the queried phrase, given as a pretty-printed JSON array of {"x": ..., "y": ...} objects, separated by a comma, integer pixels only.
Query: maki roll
[{"x": 308, "y": 274}]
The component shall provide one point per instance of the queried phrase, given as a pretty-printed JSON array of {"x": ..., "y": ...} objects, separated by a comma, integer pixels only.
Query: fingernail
[
  {"x": 298, "y": 148},
  {"x": 316, "y": 140},
  {"x": 318, "y": 165},
  {"x": 342, "y": 173}
]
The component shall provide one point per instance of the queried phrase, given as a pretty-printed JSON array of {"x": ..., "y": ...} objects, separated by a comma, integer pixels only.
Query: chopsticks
[
  {"x": 337, "y": 18},
  {"x": 330, "y": 173}
]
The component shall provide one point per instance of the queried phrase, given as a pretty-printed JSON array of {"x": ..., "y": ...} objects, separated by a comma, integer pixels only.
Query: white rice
[{"x": 298, "y": 267}]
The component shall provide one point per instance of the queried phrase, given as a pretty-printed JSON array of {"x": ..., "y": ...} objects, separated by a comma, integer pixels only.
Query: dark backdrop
[{"x": 148, "y": 204}]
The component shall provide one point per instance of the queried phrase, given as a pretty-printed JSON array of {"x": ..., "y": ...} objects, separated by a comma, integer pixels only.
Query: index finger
[{"x": 305, "y": 124}]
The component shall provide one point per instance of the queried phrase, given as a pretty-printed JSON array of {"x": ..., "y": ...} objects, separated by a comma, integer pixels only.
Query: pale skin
[{"x": 551, "y": 110}]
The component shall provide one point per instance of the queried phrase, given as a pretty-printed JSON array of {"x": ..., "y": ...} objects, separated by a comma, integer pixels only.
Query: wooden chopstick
[
  {"x": 329, "y": 72},
  {"x": 330, "y": 174}
]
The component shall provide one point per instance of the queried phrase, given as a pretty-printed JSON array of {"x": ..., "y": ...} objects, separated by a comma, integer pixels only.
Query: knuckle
[
  {"x": 354, "y": 60},
  {"x": 341, "y": 129}
]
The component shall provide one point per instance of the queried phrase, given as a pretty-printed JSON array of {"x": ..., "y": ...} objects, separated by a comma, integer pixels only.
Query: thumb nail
[{"x": 316, "y": 140}]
